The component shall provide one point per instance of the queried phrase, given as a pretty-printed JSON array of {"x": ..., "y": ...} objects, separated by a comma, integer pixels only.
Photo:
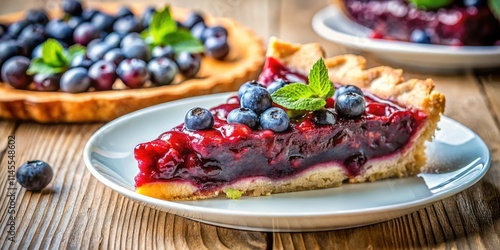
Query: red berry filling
[
  {"x": 231, "y": 152},
  {"x": 454, "y": 25}
]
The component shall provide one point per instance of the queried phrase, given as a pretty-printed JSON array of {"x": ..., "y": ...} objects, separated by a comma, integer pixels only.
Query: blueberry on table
[
  {"x": 14, "y": 72},
  {"x": 75, "y": 80},
  {"x": 248, "y": 85},
  {"x": 133, "y": 72},
  {"x": 72, "y": 7},
  {"x": 103, "y": 74},
  {"x": 243, "y": 116},
  {"x": 188, "y": 64},
  {"x": 162, "y": 71},
  {"x": 347, "y": 88},
  {"x": 34, "y": 175},
  {"x": 45, "y": 82},
  {"x": 199, "y": 119},
  {"x": 350, "y": 105},
  {"x": 85, "y": 33},
  {"x": 256, "y": 99},
  {"x": 275, "y": 119},
  {"x": 217, "y": 47}
]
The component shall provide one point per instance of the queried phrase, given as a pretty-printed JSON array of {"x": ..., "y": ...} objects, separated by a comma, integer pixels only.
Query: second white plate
[
  {"x": 333, "y": 25},
  {"x": 458, "y": 158}
]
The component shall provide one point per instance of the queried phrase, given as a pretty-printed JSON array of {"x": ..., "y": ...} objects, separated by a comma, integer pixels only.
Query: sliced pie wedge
[{"x": 386, "y": 141}]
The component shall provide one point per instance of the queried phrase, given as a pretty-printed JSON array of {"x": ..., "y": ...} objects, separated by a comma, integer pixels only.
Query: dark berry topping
[
  {"x": 199, "y": 119},
  {"x": 34, "y": 175},
  {"x": 14, "y": 72},
  {"x": 275, "y": 119},
  {"x": 243, "y": 116},
  {"x": 350, "y": 105}
]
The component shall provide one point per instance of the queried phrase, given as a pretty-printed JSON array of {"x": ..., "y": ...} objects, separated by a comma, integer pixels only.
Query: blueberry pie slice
[{"x": 304, "y": 124}]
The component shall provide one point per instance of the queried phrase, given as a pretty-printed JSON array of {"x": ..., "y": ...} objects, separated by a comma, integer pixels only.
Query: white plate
[
  {"x": 457, "y": 153},
  {"x": 333, "y": 25}
]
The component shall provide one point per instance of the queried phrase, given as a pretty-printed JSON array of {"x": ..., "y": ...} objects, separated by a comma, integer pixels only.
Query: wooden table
[{"x": 77, "y": 211}]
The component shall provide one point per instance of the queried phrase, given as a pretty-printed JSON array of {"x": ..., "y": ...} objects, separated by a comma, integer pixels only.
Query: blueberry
[
  {"x": 103, "y": 22},
  {"x": 198, "y": 29},
  {"x": 275, "y": 119},
  {"x": 248, "y": 85},
  {"x": 47, "y": 82},
  {"x": 37, "y": 51},
  {"x": 72, "y": 7},
  {"x": 96, "y": 52},
  {"x": 256, "y": 99},
  {"x": 75, "y": 80},
  {"x": 88, "y": 14},
  {"x": 146, "y": 16},
  {"x": 32, "y": 36},
  {"x": 130, "y": 39},
  {"x": 347, "y": 88},
  {"x": 420, "y": 36},
  {"x": 59, "y": 30},
  {"x": 113, "y": 39},
  {"x": 103, "y": 74},
  {"x": 137, "y": 50},
  {"x": 474, "y": 3},
  {"x": 38, "y": 16},
  {"x": 166, "y": 51},
  {"x": 81, "y": 61},
  {"x": 75, "y": 21},
  {"x": 15, "y": 28},
  {"x": 324, "y": 117},
  {"x": 350, "y": 104},
  {"x": 34, "y": 175},
  {"x": 192, "y": 19},
  {"x": 124, "y": 11},
  {"x": 188, "y": 64},
  {"x": 127, "y": 24},
  {"x": 115, "y": 56},
  {"x": 9, "y": 49},
  {"x": 277, "y": 84},
  {"x": 85, "y": 33},
  {"x": 214, "y": 31},
  {"x": 133, "y": 72},
  {"x": 162, "y": 71},
  {"x": 14, "y": 72},
  {"x": 199, "y": 119},
  {"x": 217, "y": 47},
  {"x": 243, "y": 116}
]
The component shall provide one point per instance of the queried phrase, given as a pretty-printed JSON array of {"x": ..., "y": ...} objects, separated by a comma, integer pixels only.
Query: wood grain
[{"x": 77, "y": 211}]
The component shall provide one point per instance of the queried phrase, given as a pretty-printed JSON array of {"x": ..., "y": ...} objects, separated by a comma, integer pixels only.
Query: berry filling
[
  {"x": 228, "y": 152},
  {"x": 459, "y": 23}
]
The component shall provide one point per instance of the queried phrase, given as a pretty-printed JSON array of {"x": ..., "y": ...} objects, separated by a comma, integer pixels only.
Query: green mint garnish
[
  {"x": 430, "y": 4},
  {"x": 55, "y": 59},
  {"x": 299, "y": 96},
  {"x": 233, "y": 193},
  {"x": 163, "y": 31},
  {"x": 495, "y": 8}
]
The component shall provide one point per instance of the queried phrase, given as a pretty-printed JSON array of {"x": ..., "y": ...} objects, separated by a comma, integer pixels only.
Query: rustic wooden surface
[{"x": 77, "y": 211}]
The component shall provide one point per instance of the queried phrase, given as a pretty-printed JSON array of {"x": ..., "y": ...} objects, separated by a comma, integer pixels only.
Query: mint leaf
[
  {"x": 233, "y": 193},
  {"x": 319, "y": 80},
  {"x": 162, "y": 24},
  {"x": 74, "y": 51},
  {"x": 38, "y": 66},
  {"x": 53, "y": 53},
  {"x": 495, "y": 8},
  {"x": 182, "y": 40},
  {"x": 298, "y": 96}
]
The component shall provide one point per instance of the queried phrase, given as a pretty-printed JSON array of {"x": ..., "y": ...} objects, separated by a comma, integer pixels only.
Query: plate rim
[{"x": 182, "y": 206}]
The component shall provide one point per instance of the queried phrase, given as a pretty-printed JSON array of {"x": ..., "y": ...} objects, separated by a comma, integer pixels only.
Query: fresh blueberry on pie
[
  {"x": 443, "y": 22},
  {"x": 333, "y": 122}
]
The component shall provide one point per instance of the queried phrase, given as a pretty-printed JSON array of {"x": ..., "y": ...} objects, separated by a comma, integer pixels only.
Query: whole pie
[
  {"x": 385, "y": 140},
  {"x": 243, "y": 62},
  {"x": 444, "y": 22}
]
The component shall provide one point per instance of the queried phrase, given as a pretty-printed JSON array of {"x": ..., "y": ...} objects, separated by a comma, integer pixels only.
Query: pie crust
[
  {"x": 384, "y": 82},
  {"x": 242, "y": 64}
]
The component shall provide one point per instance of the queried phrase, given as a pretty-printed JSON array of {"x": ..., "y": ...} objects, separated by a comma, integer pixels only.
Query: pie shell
[
  {"x": 384, "y": 82},
  {"x": 242, "y": 64}
]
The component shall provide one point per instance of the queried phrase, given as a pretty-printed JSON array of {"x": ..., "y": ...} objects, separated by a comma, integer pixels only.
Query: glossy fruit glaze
[
  {"x": 456, "y": 24},
  {"x": 230, "y": 152}
]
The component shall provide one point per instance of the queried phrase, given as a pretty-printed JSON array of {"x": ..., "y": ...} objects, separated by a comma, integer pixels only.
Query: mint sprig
[
  {"x": 55, "y": 59},
  {"x": 495, "y": 8},
  {"x": 163, "y": 31},
  {"x": 299, "y": 96}
]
